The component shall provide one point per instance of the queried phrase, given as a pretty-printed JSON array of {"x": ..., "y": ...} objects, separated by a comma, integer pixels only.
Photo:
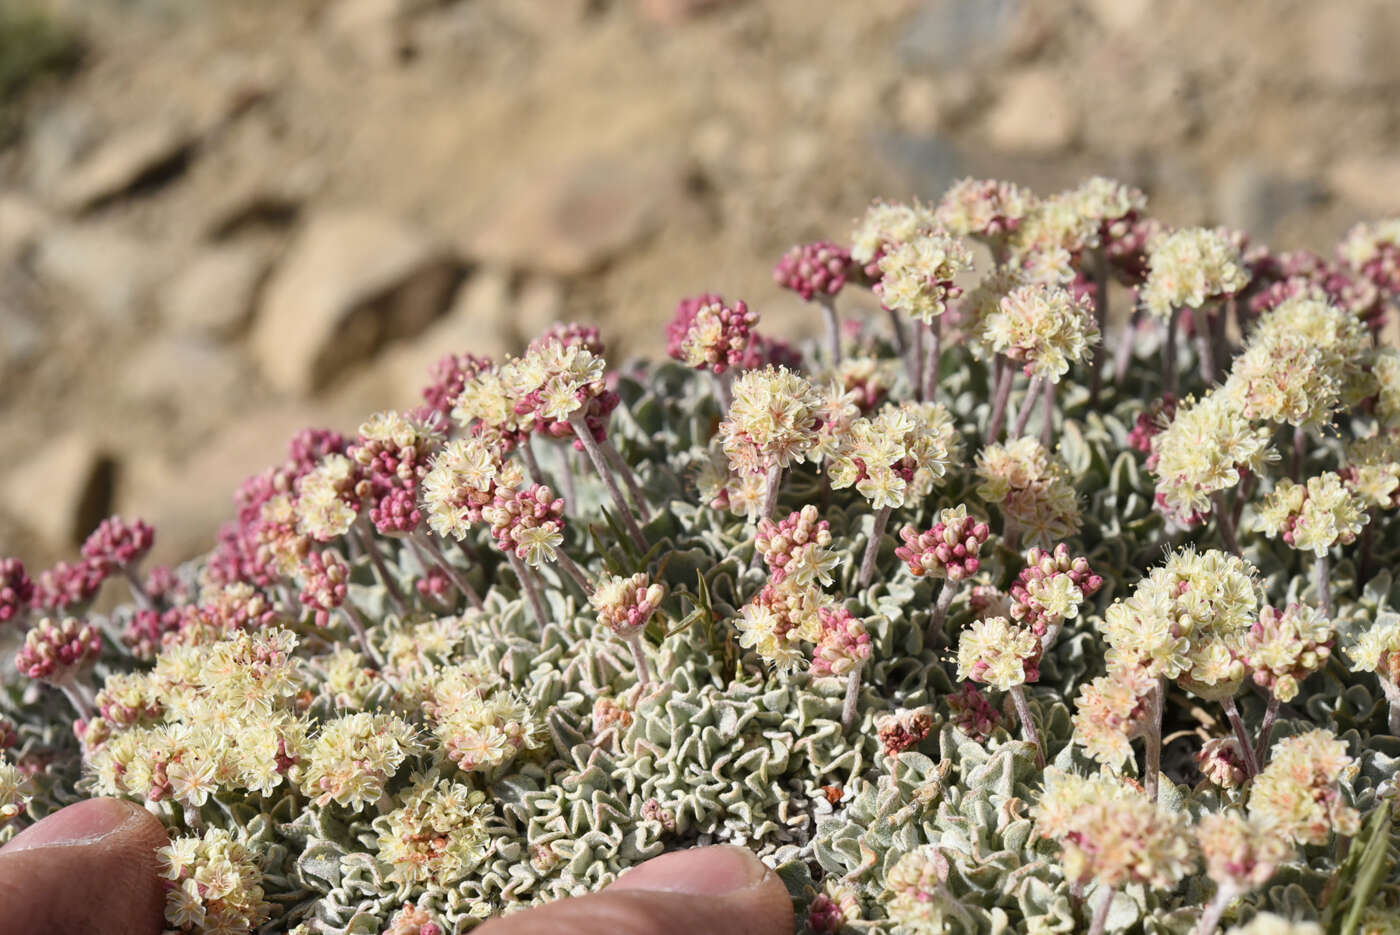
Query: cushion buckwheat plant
[{"x": 1127, "y": 660}]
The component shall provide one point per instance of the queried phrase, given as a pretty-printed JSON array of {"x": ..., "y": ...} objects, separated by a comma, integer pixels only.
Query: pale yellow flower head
[{"x": 1189, "y": 267}]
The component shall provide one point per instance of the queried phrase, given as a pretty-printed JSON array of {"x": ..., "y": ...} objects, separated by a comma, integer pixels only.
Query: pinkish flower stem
[
  {"x": 935, "y": 358},
  {"x": 915, "y": 361},
  {"x": 1047, "y": 399},
  {"x": 1367, "y": 548},
  {"x": 624, "y": 470},
  {"x": 531, "y": 465},
  {"x": 872, "y": 548},
  {"x": 1224, "y": 518},
  {"x": 723, "y": 393},
  {"x": 1023, "y": 415},
  {"x": 901, "y": 341},
  {"x": 1204, "y": 351},
  {"x": 75, "y": 697},
  {"x": 1023, "y": 711},
  {"x": 1322, "y": 581},
  {"x": 1169, "y": 375},
  {"x": 528, "y": 585},
  {"x": 639, "y": 656},
  {"x": 933, "y": 634},
  {"x": 1232, "y": 712},
  {"x": 566, "y": 476},
  {"x": 833, "y": 326},
  {"x": 600, "y": 464},
  {"x": 1003, "y": 393},
  {"x": 770, "y": 491},
  {"x": 1215, "y": 909},
  {"x": 381, "y": 569},
  {"x": 1100, "y": 316},
  {"x": 848, "y": 707},
  {"x": 570, "y": 568},
  {"x": 1127, "y": 342},
  {"x": 1300, "y": 452},
  {"x": 356, "y": 623},
  {"x": 456, "y": 577},
  {"x": 1266, "y": 729},
  {"x": 138, "y": 590},
  {"x": 1152, "y": 769},
  {"x": 1100, "y": 923}
]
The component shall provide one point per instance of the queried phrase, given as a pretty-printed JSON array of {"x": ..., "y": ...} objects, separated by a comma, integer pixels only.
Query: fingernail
[
  {"x": 82, "y": 823},
  {"x": 702, "y": 871}
]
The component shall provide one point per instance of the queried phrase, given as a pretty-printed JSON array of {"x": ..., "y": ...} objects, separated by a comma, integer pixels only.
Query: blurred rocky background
[{"x": 222, "y": 221}]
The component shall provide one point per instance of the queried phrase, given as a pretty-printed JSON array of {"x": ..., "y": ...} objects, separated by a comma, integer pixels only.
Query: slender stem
[
  {"x": 848, "y": 707},
  {"x": 566, "y": 476},
  {"x": 935, "y": 357},
  {"x": 1203, "y": 344},
  {"x": 725, "y": 396},
  {"x": 1232, "y": 712},
  {"x": 1245, "y": 492},
  {"x": 639, "y": 656},
  {"x": 1300, "y": 452},
  {"x": 1101, "y": 317},
  {"x": 1100, "y": 923},
  {"x": 1226, "y": 521},
  {"x": 624, "y": 470},
  {"x": 1266, "y": 729},
  {"x": 933, "y": 635},
  {"x": 1023, "y": 415},
  {"x": 600, "y": 464},
  {"x": 1322, "y": 580},
  {"x": 1047, "y": 431},
  {"x": 528, "y": 585},
  {"x": 1366, "y": 549},
  {"x": 1023, "y": 711},
  {"x": 456, "y": 577},
  {"x": 1003, "y": 393},
  {"x": 872, "y": 548},
  {"x": 571, "y": 569},
  {"x": 770, "y": 491},
  {"x": 1153, "y": 767},
  {"x": 833, "y": 326},
  {"x": 1169, "y": 375},
  {"x": 901, "y": 341},
  {"x": 531, "y": 465},
  {"x": 1392, "y": 695},
  {"x": 75, "y": 698},
  {"x": 1215, "y": 909},
  {"x": 361, "y": 632},
  {"x": 381, "y": 569},
  {"x": 916, "y": 361},
  {"x": 138, "y": 590},
  {"x": 1127, "y": 343}
]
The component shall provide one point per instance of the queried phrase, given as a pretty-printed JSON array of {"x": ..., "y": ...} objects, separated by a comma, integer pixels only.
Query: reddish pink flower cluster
[
  {"x": 948, "y": 550},
  {"x": 764, "y": 351},
  {"x": 972, "y": 713},
  {"x": 70, "y": 585},
  {"x": 16, "y": 590},
  {"x": 323, "y": 584},
  {"x": 523, "y": 519},
  {"x": 163, "y": 585},
  {"x": 119, "y": 543},
  {"x": 449, "y": 377},
  {"x": 412, "y": 921},
  {"x": 843, "y": 642},
  {"x": 54, "y": 649},
  {"x": 1150, "y": 423},
  {"x": 1222, "y": 763},
  {"x": 435, "y": 585},
  {"x": 1277, "y": 277},
  {"x": 390, "y": 471},
  {"x": 787, "y": 546},
  {"x": 1125, "y": 242},
  {"x": 818, "y": 268},
  {"x": 146, "y": 630},
  {"x": 710, "y": 335},
  {"x": 1041, "y": 569},
  {"x": 244, "y": 550},
  {"x": 9, "y": 735},
  {"x": 903, "y": 730},
  {"x": 825, "y": 917}
]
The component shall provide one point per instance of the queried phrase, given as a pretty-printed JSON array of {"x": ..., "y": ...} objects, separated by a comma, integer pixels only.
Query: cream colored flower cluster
[
  {"x": 772, "y": 422},
  {"x": 1187, "y": 620},
  {"x": 888, "y": 224},
  {"x": 919, "y": 901},
  {"x": 1111, "y": 711},
  {"x": 1372, "y": 469},
  {"x": 481, "y": 724},
  {"x": 1378, "y": 649},
  {"x": 1241, "y": 852},
  {"x": 1300, "y": 791},
  {"x": 463, "y": 481},
  {"x": 998, "y": 653},
  {"x": 918, "y": 276},
  {"x": 1315, "y": 516},
  {"x": 1203, "y": 452},
  {"x": 437, "y": 835},
  {"x": 897, "y": 456},
  {"x": 1043, "y": 328},
  {"x": 354, "y": 756},
  {"x": 216, "y": 885},
  {"x": 1032, "y": 488},
  {"x": 1284, "y": 647},
  {"x": 549, "y": 384},
  {"x": 324, "y": 506},
  {"x": 987, "y": 209},
  {"x": 1189, "y": 267},
  {"x": 15, "y": 789}
]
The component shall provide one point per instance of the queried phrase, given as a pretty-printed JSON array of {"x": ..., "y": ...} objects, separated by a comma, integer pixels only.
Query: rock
[
  {"x": 1346, "y": 44},
  {"x": 22, "y": 222},
  {"x": 951, "y": 33},
  {"x": 61, "y": 492},
  {"x": 376, "y": 30},
  {"x": 179, "y": 376},
  {"x": 675, "y": 12},
  {"x": 132, "y": 157},
  {"x": 21, "y": 311},
  {"x": 213, "y": 297},
  {"x": 1251, "y": 198},
  {"x": 483, "y": 305},
  {"x": 1034, "y": 113},
  {"x": 538, "y": 305},
  {"x": 1120, "y": 15},
  {"x": 56, "y": 139},
  {"x": 576, "y": 218},
  {"x": 1372, "y": 183},
  {"x": 109, "y": 273},
  {"x": 350, "y": 281}
]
